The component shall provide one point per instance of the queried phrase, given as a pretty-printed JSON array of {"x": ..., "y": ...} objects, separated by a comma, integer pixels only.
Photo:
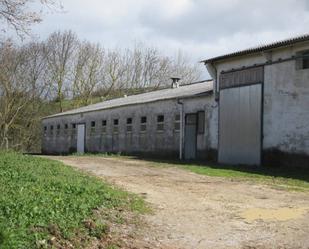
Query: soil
[{"x": 193, "y": 211}]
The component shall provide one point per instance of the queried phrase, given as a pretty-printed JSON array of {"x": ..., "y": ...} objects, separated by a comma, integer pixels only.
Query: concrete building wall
[
  {"x": 286, "y": 100},
  {"x": 152, "y": 141},
  {"x": 286, "y": 108}
]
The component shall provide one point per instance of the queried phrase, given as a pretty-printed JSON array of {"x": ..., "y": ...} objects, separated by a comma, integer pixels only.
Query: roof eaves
[
  {"x": 262, "y": 48},
  {"x": 206, "y": 92}
]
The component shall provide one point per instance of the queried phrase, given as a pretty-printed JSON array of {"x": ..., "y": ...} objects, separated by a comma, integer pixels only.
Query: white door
[{"x": 81, "y": 138}]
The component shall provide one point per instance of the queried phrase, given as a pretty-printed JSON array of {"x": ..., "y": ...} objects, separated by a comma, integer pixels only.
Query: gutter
[
  {"x": 181, "y": 133},
  {"x": 211, "y": 68}
]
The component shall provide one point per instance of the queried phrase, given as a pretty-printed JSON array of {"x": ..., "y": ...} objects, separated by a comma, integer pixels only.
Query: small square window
[
  {"x": 302, "y": 61},
  {"x": 116, "y": 122},
  {"x": 143, "y": 127},
  {"x": 129, "y": 125},
  {"x": 51, "y": 127},
  {"x": 66, "y": 126},
  {"x": 143, "y": 120},
  {"x": 306, "y": 60},
  {"x": 104, "y": 122},
  {"x": 160, "y": 122},
  {"x": 74, "y": 126},
  {"x": 129, "y": 120},
  {"x": 58, "y": 127},
  {"x": 160, "y": 119},
  {"x": 45, "y": 128},
  {"x": 92, "y": 123}
]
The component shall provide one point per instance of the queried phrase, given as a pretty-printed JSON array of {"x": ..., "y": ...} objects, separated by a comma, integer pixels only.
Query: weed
[{"x": 41, "y": 198}]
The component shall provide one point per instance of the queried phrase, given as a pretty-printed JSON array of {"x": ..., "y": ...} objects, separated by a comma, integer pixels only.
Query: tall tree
[
  {"x": 88, "y": 72},
  {"x": 17, "y": 15},
  {"x": 59, "y": 53}
]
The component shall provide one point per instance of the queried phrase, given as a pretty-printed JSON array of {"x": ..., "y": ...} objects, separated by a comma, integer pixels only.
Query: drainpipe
[
  {"x": 212, "y": 70},
  {"x": 181, "y": 129}
]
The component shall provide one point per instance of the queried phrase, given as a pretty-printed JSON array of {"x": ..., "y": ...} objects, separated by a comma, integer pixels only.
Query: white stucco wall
[
  {"x": 286, "y": 108},
  {"x": 286, "y": 98}
]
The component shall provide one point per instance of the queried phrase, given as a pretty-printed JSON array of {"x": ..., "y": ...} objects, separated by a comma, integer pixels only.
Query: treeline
[{"x": 62, "y": 72}]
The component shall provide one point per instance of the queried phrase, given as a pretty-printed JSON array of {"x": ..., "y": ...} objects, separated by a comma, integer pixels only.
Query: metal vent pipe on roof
[{"x": 175, "y": 83}]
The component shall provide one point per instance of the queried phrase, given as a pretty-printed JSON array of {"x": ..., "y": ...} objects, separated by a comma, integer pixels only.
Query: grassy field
[{"x": 45, "y": 204}]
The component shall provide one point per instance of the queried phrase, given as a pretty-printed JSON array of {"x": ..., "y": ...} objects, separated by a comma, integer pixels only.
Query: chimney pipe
[{"x": 175, "y": 83}]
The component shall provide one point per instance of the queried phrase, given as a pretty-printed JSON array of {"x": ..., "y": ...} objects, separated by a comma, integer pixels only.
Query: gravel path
[{"x": 194, "y": 211}]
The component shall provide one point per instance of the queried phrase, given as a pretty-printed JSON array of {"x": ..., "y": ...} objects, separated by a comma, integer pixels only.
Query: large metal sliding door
[{"x": 240, "y": 125}]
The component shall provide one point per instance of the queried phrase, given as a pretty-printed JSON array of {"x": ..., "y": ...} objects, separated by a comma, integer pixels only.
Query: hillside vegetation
[{"x": 45, "y": 204}]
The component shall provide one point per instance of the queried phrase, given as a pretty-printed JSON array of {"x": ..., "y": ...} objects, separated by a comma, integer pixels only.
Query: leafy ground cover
[{"x": 45, "y": 204}]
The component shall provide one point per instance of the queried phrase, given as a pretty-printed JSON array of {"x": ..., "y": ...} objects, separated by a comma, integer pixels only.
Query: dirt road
[{"x": 195, "y": 211}]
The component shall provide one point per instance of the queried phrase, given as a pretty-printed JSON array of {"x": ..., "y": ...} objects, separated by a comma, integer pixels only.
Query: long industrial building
[
  {"x": 255, "y": 111},
  {"x": 180, "y": 121}
]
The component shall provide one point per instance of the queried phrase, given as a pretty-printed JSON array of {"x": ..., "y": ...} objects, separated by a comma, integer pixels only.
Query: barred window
[
  {"x": 116, "y": 123},
  {"x": 73, "y": 133},
  {"x": 66, "y": 126},
  {"x": 104, "y": 124},
  {"x": 143, "y": 124},
  {"x": 58, "y": 130},
  {"x": 129, "y": 125},
  {"x": 92, "y": 128},
  {"x": 160, "y": 123},
  {"x": 302, "y": 61}
]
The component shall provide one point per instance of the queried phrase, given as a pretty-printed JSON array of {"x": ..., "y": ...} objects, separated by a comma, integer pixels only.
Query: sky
[{"x": 200, "y": 28}]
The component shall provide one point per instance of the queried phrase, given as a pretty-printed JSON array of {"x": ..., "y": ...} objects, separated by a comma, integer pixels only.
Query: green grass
[
  {"x": 41, "y": 199},
  {"x": 280, "y": 177},
  {"x": 285, "y": 178}
]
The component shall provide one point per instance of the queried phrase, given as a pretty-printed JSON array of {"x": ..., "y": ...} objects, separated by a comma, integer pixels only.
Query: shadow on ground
[{"x": 296, "y": 173}]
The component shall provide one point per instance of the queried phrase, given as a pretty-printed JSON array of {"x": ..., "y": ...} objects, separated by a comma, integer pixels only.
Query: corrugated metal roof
[
  {"x": 189, "y": 90},
  {"x": 261, "y": 48}
]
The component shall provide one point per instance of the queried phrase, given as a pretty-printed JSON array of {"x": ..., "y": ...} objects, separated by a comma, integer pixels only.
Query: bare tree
[
  {"x": 182, "y": 69},
  {"x": 59, "y": 53},
  {"x": 88, "y": 72},
  {"x": 17, "y": 15},
  {"x": 22, "y": 94},
  {"x": 62, "y": 68},
  {"x": 114, "y": 71}
]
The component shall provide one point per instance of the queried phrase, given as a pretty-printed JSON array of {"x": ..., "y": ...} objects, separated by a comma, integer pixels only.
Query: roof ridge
[
  {"x": 153, "y": 96},
  {"x": 259, "y": 48}
]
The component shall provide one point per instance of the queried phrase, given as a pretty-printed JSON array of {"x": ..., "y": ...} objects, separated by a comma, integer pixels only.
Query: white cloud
[{"x": 202, "y": 28}]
